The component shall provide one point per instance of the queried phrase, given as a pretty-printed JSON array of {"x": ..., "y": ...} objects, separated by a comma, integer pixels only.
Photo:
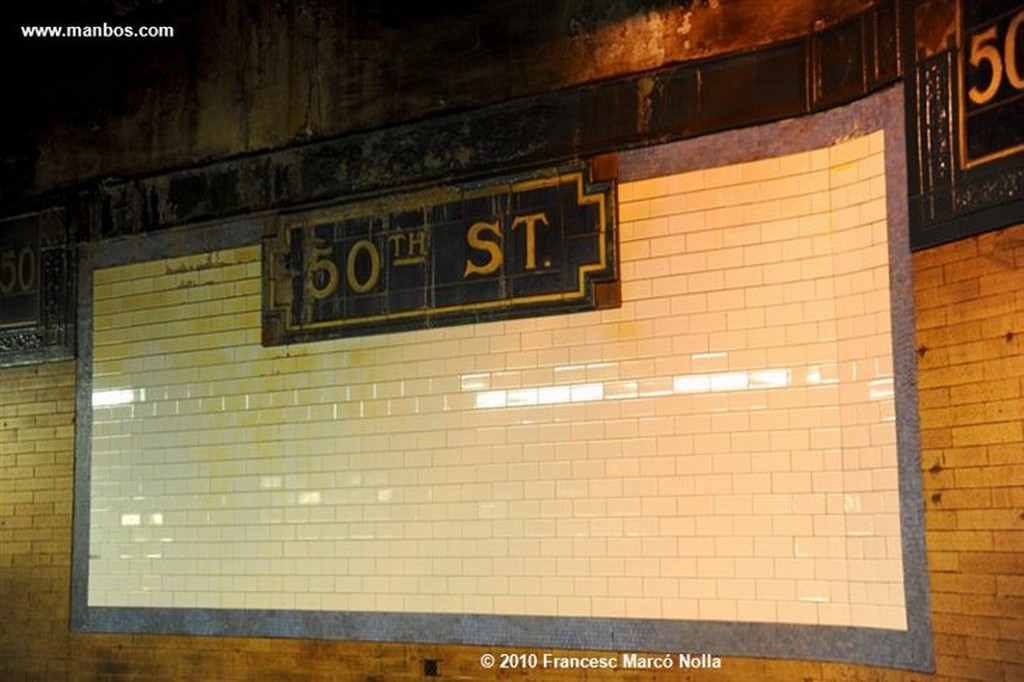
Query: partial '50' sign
[
  {"x": 992, "y": 96},
  {"x": 19, "y": 276},
  {"x": 18, "y": 270}
]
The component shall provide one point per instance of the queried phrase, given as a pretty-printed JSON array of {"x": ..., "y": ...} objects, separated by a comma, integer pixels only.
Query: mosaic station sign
[
  {"x": 37, "y": 285},
  {"x": 512, "y": 248},
  {"x": 19, "y": 275},
  {"x": 965, "y": 142},
  {"x": 992, "y": 64}
]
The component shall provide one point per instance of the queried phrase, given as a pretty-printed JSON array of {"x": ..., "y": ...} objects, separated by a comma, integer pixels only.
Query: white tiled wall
[{"x": 722, "y": 447}]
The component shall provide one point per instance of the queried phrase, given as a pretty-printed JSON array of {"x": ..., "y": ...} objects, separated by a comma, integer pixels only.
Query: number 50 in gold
[
  {"x": 321, "y": 286},
  {"x": 982, "y": 50},
  {"x": 321, "y": 262},
  {"x": 17, "y": 270}
]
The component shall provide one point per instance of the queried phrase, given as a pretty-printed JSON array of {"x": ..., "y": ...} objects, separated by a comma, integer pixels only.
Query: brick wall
[
  {"x": 37, "y": 410},
  {"x": 970, "y": 322},
  {"x": 970, "y": 316}
]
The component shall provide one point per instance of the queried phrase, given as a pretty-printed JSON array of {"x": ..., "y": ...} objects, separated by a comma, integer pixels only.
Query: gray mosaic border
[{"x": 910, "y": 649}]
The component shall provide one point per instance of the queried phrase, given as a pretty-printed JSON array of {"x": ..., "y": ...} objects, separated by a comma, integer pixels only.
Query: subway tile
[
  {"x": 634, "y": 211},
  {"x": 644, "y": 189},
  {"x": 763, "y": 168},
  {"x": 733, "y": 468},
  {"x": 698, "y": 240}
]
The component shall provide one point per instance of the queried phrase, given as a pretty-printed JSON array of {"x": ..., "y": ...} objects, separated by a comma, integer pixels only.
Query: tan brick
[
  {"x": 33, "y": 509},
  {"x": 34, "y": 459},
  {"x": 935, "y": 438},
  {"x": 940, "y": 519},
  {"x": 991, "y": 351},
  {"x": 946, "y": 602},
  {"x": 991, "y": 605},
  {"x": 944, "y": 562},
  {"x": 1001, "y": 281},
  {"x": 965, "y": 668},
  {"x": 1012, "y": 629},
  {"x": 36, "y": 408},
  {"x": 971, "y": 477},
  {"x": 991, "y": 411},
  {"x": 966, "y": 498},
  {"x": 951, "y": 376},
  {"x": 953, "y": 540},
  {"x": 793, "y": 670},
  {"x": 36, "y": 433},
  {"x": 930, "y": 318},
  {"x": 969, "y": 456},
  {"x": 1010, "y": 585},
  {"x": 1012, "y": 475},
  {"x": 14, "y": 472},
  {"x": 32, "y": 484},
  {"x": 948, "y": 644},
  {"x": 959, "y": 624},
  {"x": 963, "y": 584},
  {"x": 15, "y": 423},
  {"x": 1006, "y": 453},
  {"x": 942, "y": 337},
  {"x": 961, "y": 270},
  {"x": 999, "y": 432},
  {"x": 1003, "y": 367},
  {"x": 1007, "y": 497},
  {"x": 1009, "y": 563},
  {"x": 996, "y": 650},
  {"x": 997, "y": 389},
  {"x": 933, "y": 398},
  {"x": 985, "y": 307},
  {"x": 928, "y": 282},
  {"x": 65, "y": 414},
  {"x": 962, "y": 250},
  {"x": 990, "y": 518},
  {"x": 962, "y": 291}
]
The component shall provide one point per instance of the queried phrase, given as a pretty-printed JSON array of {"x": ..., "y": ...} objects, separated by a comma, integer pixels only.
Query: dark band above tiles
[{"x": 814, "y": 73}]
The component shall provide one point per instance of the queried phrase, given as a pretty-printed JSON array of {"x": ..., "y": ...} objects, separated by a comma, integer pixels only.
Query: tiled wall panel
[{"x": 721, "y": 447}]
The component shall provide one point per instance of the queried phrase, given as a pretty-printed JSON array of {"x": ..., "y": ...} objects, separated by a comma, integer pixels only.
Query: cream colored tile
[{"x": 652, "y": 433}]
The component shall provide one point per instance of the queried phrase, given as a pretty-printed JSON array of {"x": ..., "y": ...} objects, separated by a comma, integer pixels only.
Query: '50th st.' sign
[{"x": 529, "y": 246}]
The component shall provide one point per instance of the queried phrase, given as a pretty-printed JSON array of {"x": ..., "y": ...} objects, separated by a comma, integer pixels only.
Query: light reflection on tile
[{"x": 729, "y": 431}]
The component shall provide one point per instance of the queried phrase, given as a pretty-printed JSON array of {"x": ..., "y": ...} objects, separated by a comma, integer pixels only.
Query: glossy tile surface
[{"x": 722, "y": 447}]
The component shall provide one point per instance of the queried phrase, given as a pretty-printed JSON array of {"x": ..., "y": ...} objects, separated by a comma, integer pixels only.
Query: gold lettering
[
  {"x": 1010, "y": 51},
  {"x": 418, "y": 244},
  {"x": 396, "y": 241},
  {"x": 531, "y": 235},
  {"x": 8, "y": 264},
  {"x": 981, "y": 52},
  {"x": 350, "y": 266},
  {"x": 321, "y": 261},
  {"x": 416, "y": 251},
  {"x": 493, "y": 248}
]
